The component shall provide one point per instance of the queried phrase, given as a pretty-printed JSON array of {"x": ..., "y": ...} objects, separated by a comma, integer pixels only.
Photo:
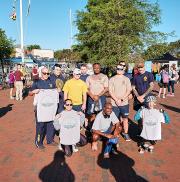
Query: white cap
[{"x": 76, "y": 71}]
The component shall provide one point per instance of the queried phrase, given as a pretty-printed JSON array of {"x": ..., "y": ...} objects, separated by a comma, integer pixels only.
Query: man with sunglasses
[
  {"x": 76, "y": 90},
  {"x": 142, "y": 86},
  {"x": 106, "y": 126},
  {"x": 120, "y": 89},
  {"x": 122, "y": 63},
  {"x": 58, "y": 80},
  {"x": 44, "y": 83}
]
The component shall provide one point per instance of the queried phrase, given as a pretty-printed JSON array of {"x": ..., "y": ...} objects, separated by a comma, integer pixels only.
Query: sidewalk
[{"x": 21, "y": 161}]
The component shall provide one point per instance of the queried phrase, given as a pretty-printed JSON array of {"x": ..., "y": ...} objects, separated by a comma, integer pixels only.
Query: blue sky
[{"x": 48, "y": 24}]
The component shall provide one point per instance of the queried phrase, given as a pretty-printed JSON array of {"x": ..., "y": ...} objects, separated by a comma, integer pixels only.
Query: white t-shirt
[
  {"x": 69, "y": 125},
  {"x": 102, "y": 124},
  {"x": 152, "y": 119},
  {"x": 46, "y": 101}
]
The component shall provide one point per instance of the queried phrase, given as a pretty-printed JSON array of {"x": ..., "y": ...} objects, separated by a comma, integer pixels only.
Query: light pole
[{"x": 21, "y": 29}]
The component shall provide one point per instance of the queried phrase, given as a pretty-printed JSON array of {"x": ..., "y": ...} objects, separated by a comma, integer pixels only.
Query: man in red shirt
[
  {"x": 35, "y": 74},
  {"x": 18, "y": 82}
]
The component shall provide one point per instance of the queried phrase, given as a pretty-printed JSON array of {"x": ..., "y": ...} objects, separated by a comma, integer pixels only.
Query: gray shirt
[
  {"x": 69, "y": 125},
  {"x": 102, "y": 124}
]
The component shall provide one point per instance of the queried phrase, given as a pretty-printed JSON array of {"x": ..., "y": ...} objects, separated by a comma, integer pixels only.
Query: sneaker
[
  {"x": 141, "y": 150},
  {"x": 106, "y": 155},
  {"x": 168, "y": 94},
  {"x": 172, "y": 95},
  {"x": 163, "y": 96},
  {"x": 113, "y": 151},
  {"x": 41, "y": 147},
  {"x": 74, "y": 148},
  {"x": 126, "y": 137},
  {"x": 12, "y": 98}
]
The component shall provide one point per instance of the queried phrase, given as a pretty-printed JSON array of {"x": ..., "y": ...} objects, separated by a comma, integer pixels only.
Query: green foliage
[
  {"x": 67, "y": 55},
  {"x": 110, "y": 30},
  {"x": 6, "y": 46},
  {"x": 31, "y": 47},
  {"x": 156, "y": 51}
]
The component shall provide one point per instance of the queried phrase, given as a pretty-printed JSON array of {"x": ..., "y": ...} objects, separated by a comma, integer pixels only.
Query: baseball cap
[
  {"x": 140, "y": 65},
  {"x": 151, "y": 99},
  {"x": 77, "y": 71}
]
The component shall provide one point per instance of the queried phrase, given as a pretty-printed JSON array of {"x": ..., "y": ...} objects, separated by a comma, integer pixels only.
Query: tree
[
  {"x": 67, "y": 54},
  {"x": 112, "y": 29},
  {"x": 175, "y": 48},
  {"x": 31, "y": 47},
  {"x": 156, "y": 51},
  {"x": 6, "y": 48}
]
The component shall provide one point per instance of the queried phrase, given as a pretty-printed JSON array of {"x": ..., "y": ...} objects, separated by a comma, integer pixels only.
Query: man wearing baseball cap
[
  {"x": 76, "y": 90},
  {"x": 142, "y": 86}
]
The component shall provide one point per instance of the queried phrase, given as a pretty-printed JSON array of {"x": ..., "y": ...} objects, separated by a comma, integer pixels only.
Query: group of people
[
  {"x": 16, "y": 80},
  {"x": 166, "y": 79},
  {"x": 96, "y": 103}
]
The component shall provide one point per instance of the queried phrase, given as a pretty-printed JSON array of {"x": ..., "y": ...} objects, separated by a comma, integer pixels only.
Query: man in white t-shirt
[{"x": 106, "y": 125}]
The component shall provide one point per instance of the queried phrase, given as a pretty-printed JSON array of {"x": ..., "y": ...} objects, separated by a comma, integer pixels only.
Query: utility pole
[
  {"x": 70, "y": 21},
  {"x": 21, "y": 29}
]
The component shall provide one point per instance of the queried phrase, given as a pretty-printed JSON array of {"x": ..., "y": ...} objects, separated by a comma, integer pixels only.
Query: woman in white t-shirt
[
  {"x": 151, "y": 124},
  {"x": 69, "y": 123}
]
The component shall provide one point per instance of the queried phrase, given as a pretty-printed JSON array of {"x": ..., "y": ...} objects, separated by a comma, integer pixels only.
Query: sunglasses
[
  {"x": 140, "y": 67},
  {"x": 119, "y": 69},
  {"x": 123, "y": 65},
  {"x": 78, "y": 74},
  {"x": 68, "y": 104},
  {"x": 45, "y": 73}
]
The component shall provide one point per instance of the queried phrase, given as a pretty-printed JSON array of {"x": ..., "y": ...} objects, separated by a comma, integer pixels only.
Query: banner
[{"x": 148, "y": 66}]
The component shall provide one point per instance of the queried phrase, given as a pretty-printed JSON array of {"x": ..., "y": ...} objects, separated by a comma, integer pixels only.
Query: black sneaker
[
  {"x": 126, "y": 137},
  {"x": 41, "y": 147}
]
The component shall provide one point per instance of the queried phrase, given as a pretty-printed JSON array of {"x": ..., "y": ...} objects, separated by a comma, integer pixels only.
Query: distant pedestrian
[
  {"x": 11, "y": 83},
  {"x": 163, "y": 81},
  {"x": 19, "y": 82},
  {"x": 174, "y": 76},
  {"x": 35, "y": 74}
]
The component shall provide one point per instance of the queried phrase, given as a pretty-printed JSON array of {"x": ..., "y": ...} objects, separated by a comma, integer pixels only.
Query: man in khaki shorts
[{"x": 120, "y": 89}]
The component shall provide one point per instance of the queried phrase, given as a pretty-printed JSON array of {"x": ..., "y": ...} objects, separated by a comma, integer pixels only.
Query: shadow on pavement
[
  {"x": 175, "y": 109},
  {"x": 121, "y": 167},
  {"x": 57, "y": 170},
  {"x": 6, "y": 109}
]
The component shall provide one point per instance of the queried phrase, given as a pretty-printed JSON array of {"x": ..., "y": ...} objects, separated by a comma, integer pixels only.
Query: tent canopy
[{"x": 165, "y": 58}]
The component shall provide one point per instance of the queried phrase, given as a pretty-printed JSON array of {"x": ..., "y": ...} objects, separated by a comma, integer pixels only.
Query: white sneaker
[{"x": 74, "y": 148}]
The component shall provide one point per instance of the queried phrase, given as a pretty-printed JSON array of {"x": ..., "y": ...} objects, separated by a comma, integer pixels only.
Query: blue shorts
[
  {"x": 77, "y": 108},
  {"x": 91, "y": 105},
  {"x": 121, "y": 111}
]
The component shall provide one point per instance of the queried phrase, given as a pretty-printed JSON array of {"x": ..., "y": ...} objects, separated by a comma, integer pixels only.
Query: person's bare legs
[
  {"x": 94, "y": 143},
  {"x": 164, "y": 92},
  {"x": 160, "y": 91}
]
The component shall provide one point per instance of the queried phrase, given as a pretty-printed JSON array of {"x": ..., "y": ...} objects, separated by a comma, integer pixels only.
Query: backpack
[
  {"x": 158, "y": 78},
  {"x": 165, "y": 77}
]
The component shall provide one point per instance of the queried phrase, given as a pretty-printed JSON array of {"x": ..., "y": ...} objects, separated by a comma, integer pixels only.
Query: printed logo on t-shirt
[
  {"x": 50, "y": 85},
  {"x": 145, "y": 78}
]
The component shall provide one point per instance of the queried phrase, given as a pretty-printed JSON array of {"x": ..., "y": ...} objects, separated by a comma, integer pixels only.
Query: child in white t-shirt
[
  {"x": 69, "y": 123},
  {"x": 151, "y": 124}
]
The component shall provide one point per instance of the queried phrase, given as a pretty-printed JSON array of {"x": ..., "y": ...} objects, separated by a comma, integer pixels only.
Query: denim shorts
[{"x": 121, "y": 111}]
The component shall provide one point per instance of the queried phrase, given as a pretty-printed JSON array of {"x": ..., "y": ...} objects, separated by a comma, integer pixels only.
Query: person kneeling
[
  {"x": 69, "y": 123},
  {"x": 106, "y": 125}
]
